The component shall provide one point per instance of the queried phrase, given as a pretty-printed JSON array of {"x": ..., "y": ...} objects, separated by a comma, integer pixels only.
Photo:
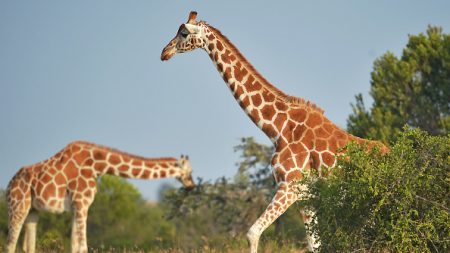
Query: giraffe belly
[{"x": 52, "y": 205}]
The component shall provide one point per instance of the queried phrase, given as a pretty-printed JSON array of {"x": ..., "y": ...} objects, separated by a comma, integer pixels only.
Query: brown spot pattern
[
  {"x": 239, "y": 73},
  {"x": 219, "y": 45},
  {"x": 268, "y": 112}
]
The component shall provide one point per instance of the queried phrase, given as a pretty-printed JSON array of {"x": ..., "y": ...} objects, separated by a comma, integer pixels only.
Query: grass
[{"x": 270, "y": 246}]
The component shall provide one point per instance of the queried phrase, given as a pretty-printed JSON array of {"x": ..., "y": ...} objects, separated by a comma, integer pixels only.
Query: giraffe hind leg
[
  {"x": 19, "y": 204},
  {"x": 29, "y": 241},
  {"x": 74, "y": 241},
  {"x": 17, "y": 217},
  {"x": 312, "y": 239}
]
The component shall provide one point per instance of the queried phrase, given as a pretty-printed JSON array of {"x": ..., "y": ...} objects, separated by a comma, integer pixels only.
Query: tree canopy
[{"x": 413, "y": 89}]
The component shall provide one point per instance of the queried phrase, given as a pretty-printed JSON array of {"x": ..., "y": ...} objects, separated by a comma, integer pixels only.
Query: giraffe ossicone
[
  {"x": 303, "y": 137},
  {"x": 67, "y": 182}
]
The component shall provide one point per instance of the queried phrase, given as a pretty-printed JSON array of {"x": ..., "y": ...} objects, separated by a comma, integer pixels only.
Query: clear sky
[{"x": 90, "y": 70}]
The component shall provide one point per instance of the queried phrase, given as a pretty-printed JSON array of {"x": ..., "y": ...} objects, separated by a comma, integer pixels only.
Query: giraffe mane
[
  {"x": 122, "y": 153},
  {"x": 293, "y": 100}
]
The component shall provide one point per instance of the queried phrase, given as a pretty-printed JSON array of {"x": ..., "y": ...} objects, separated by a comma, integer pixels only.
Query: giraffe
[
  {"x": 67, "y": 182},
  {"x": 302, "y": 136}
]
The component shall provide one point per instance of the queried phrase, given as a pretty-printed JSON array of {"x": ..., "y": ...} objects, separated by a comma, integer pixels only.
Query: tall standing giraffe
[
  {"x": 303, "y": 137},
  {"x": 67, "y": 182}
]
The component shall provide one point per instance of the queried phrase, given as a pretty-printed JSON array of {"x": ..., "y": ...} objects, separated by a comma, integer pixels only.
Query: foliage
[
  {"x": 215, "y": 213},
  {"x": 3, "y": 220},
  {"x": 254, "y": 167},
  {"x": 51, "y": 241},
  {"x": 120, "y": 218},
  {"x": 413, "y": 90},
  {"x": 396, "y": 203},
  {"x": 53, "y": 231}
]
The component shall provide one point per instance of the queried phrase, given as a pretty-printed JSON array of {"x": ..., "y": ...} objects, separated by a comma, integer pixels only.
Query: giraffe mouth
[
  {"x": 165, "y": 56},
  {"x": 168, "y": 51},
  {"x": 189, "y": 188}
]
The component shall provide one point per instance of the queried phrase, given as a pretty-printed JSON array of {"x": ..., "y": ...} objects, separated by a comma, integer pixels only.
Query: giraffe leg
[
  {"x": 29, "y": 241},
  {"x": 284, "y": 197},
  {"x": 313, "y": 241},
  {"x": 80, "y": 220},
  {"x": 25, "y": 239},
  {"x": 79, "y": 241},
  {"x": 74, "y": 241},
  {"x": 80, "y": 211},
  {"x": 16, "y": 219}
]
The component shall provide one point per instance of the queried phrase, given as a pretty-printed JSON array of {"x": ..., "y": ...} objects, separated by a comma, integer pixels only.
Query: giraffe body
[
  {"x": 303, "y": 137},
  {"x": 67, "y": 182}
]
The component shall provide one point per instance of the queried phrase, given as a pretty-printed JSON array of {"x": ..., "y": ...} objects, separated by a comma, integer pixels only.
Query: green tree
[
  {"x": 412, "y": 90},
  {"x": 393, "y": 203},
  {"x": 121, "y": 218}
]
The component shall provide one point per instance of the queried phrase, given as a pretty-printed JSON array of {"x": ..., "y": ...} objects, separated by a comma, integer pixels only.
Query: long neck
[
  {"x": 145, "y": 168},
  {"x": 261, "y": 101},
  {"x": 114, "y": 162}
]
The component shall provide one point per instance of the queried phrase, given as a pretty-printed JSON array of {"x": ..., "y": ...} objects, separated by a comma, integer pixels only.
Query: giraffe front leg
[
  {"x": 29, "y": 241},
  {"x": 74, "y": 241},
  {"x": 284, "y": 197},
  {"x": 79, "y": 240},
  {"x": 81, "y": 201}
]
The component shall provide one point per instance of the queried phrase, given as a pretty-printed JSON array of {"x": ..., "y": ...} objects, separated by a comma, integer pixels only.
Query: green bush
[{"x": 398, "y": 202}]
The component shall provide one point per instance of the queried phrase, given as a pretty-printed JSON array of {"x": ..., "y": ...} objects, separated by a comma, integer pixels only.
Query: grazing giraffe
[
  {"x": 67, "y": 182},
  {"x": 303, "y": 137}
]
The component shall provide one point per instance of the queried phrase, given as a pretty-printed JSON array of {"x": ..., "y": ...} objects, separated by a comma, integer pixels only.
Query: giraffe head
[
  {"x": 189, "y": 37},
  {"x": 186, "y": 173}
]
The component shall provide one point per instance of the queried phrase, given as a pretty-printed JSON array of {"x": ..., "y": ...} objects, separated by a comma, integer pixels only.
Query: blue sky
[{"x": 90, "y": 70}]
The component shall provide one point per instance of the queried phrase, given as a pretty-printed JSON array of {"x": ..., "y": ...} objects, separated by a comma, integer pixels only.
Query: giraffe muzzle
[
  {"x": 168, "y": 51},
  {"x": 189, "y": 188},
  {"x": 165, "y": 56}
]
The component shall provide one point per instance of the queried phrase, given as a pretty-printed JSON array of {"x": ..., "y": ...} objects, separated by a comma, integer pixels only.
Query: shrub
[{"x": 398, "y": 202}]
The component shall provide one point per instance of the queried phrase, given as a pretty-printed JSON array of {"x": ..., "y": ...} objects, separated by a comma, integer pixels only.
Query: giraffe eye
[{"x": 184, "y": 33}]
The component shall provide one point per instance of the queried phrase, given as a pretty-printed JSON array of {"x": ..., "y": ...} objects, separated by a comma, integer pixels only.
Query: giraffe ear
[{"x": 192, "y": 17}]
